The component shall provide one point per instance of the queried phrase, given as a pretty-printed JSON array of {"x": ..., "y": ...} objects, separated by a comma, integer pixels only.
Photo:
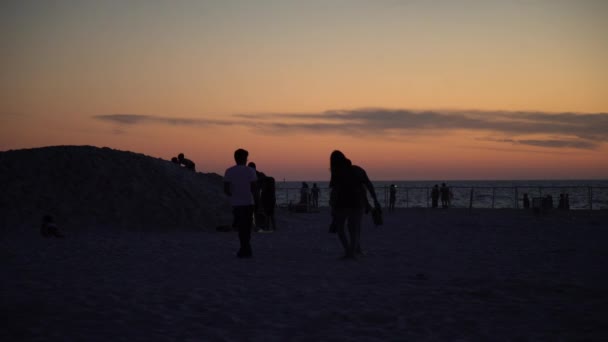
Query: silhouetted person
[
  {"x": 562, "y": 202},
  {"x": 49, "y": 228},
  {"x": 526, "y": 201},
  {"x": 258, "y": 210},
  {"x": 304, "y": 194},
  {"x": 435, "y": 196},
  {"x": 392, "y": 198},
  {"x": 349, "y": 200},
  {"x": 450, "y": 196},
  {"x": 445, "y": 195},
  {"x": 174, "y": 160},
  {"x": 240, "y": 184},
  {"x": 547, "y": 202},
  {"x": 269, "y": 202},
  {"x": 314, "y": 191},
  {"x": 189, "y": 164}
]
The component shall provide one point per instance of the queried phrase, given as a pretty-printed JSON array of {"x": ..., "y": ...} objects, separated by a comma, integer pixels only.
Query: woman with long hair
[{"x": 349, "y": 200}]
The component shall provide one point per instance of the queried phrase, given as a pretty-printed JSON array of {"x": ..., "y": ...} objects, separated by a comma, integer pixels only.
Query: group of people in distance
[
  {"x": 309, "y": 197},
  {"x": 348, "y": 200},
  {"x": 547, "y": 202},
  {"x": 183, "y": 161},
  {"x": 445, "y": 193}
]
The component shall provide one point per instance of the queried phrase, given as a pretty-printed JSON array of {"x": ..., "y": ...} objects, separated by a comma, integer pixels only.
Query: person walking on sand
[
  {"x": 304, "y": 194},
  {"x": 240, "y": 184},
  {"x": 392, "y": 198},
  {"x": 269, "y": 202},
  {"x": 258, "y": 211},
  {"x": 445, "y": 195},
  {"x": 314, "y": 191},
  {"x": 435, "y": 196},
  {"x": 349, "y": 201}
]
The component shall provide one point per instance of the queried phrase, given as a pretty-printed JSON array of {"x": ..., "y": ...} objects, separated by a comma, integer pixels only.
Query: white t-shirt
[{"x": 240, "y": 178}]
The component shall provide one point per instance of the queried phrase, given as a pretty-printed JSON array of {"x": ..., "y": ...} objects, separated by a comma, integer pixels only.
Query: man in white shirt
[{"x": 240, "y": 184}]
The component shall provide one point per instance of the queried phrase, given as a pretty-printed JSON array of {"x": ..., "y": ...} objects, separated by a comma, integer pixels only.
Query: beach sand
[
  {"x": 429, "y": 275},
  {"x": 142, "y": 261}
]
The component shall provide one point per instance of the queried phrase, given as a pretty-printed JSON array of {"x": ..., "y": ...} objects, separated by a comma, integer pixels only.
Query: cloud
[
  {"x": 133, "y": 119},
  {"x": 579, "y": 131},
  {"x": 587, "y": 126},
  {"x": 570, "y": 130},
  {"x": 551, "y": 143},
  {"x": 560, "y": 143}
]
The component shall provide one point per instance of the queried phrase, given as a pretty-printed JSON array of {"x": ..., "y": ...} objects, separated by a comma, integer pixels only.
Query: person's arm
[
  {"x": 370, "y": 187},
  {"x": 254, "y": 187},
  {"x": 227, "y": 189}
]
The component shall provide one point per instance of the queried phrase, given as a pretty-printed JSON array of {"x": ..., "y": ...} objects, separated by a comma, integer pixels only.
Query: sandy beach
[
  {"x": 443, "y": 275},
  {"x": 142, "y": 261}
]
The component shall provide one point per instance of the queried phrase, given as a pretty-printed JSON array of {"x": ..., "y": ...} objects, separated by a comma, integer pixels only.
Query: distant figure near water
[
  {"x": 564, "y": 202},
  {"x": 314, "y": 191},
  {"x": 435, "y": 196},
  {"x": 392, "y": 198},
  {"x": 240, "y": 184},
  {"x": 526, "y": 201},
  {"x": 269, "y": 202},
  {"x": 304, "y": 194},
  {"x": 445, "y": 196}
]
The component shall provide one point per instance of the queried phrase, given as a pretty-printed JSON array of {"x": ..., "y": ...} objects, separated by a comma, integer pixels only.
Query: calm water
[{"x": 486, "y": 194}]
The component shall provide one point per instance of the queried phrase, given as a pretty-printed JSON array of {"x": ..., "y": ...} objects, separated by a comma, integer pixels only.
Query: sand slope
[{"x": 85, "y": 185}]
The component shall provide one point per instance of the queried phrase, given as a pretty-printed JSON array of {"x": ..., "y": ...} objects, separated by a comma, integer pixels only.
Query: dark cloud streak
[
  {"x": 133, "y": 119},
  {"x": 551, "y": 143},
  {"x": 570, "y": 130}
]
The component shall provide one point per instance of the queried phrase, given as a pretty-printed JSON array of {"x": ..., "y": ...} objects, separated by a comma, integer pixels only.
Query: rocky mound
[{"x": 85, "y": 185}]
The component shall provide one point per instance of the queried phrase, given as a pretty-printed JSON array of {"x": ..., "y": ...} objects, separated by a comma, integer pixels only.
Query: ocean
[{"x": 582, "y": 194}]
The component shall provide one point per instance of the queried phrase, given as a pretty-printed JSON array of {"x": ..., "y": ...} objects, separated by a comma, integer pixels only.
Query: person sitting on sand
[
  {"x": 49, "y": 228},
  {"x": 189, "y": 164}
]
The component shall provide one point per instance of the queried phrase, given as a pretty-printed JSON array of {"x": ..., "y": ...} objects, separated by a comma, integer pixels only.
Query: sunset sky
[{"x": 410, "y": 90}]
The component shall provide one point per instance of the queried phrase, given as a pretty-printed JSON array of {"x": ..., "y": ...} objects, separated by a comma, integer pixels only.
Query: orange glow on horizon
[{"x": 209, "y": 62}]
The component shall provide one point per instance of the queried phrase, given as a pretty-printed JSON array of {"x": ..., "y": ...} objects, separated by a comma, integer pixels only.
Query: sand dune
[{"x": 85, "y": 185}]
